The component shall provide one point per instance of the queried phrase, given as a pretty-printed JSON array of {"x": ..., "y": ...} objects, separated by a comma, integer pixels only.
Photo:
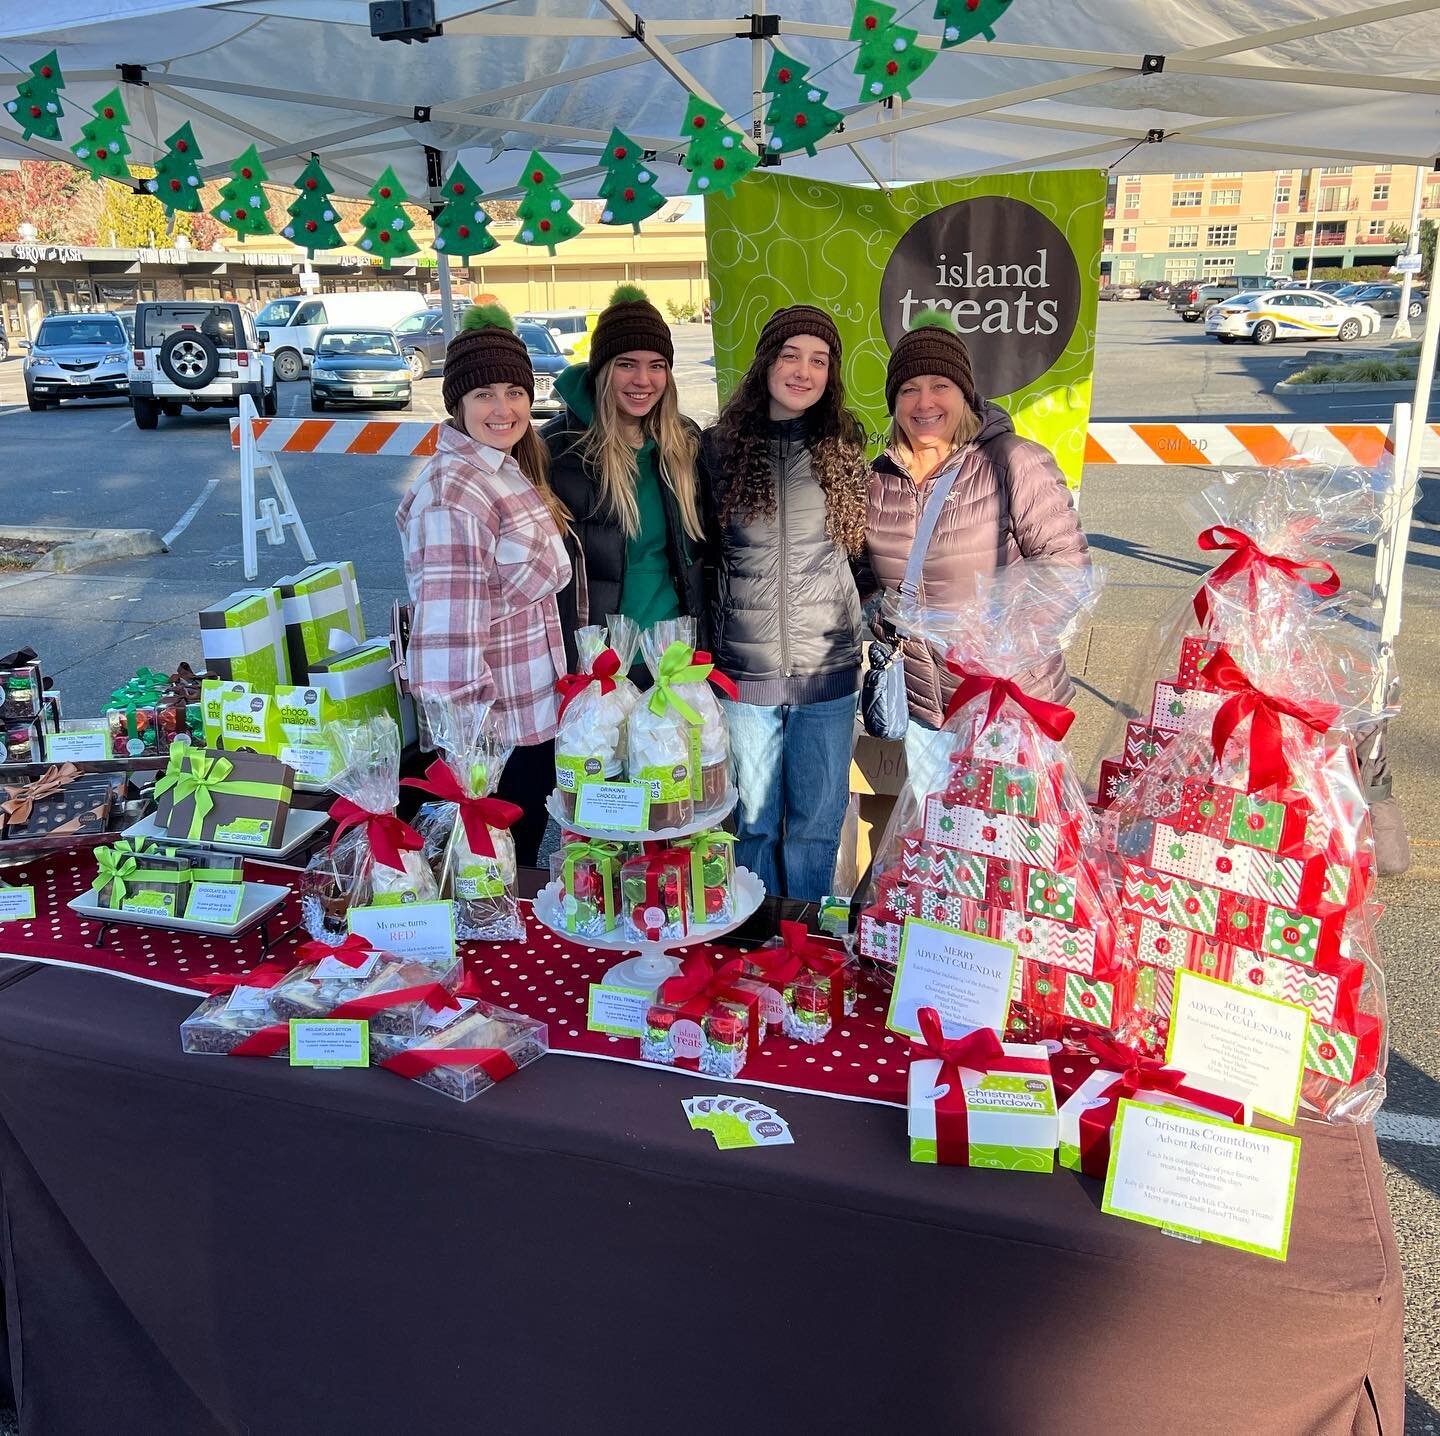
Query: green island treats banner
[{"x": 1015, "y": 259}]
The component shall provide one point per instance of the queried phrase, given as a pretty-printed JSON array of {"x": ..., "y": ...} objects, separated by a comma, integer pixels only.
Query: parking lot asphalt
[{"x": 88, "y": 465}]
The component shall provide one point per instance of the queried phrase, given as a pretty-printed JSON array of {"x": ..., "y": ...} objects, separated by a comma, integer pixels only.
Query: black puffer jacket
[
  {"x": 785, "y": 612},
  {"x": 596, "y": 538}
]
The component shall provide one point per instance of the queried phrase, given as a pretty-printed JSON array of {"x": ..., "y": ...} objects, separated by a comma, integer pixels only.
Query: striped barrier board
[{"x": 393, "y": 438}]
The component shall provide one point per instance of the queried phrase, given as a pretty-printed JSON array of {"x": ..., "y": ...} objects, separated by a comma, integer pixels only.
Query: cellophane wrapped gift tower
[
  {"x": 374, "y": 857},
  {"x": 996, "y": 839},
  {"x": 595, "y": 706},
  {"x": 1273, "y": 530},
  {"x": 467, "y": 824},
  {"x": 1244, "y": 848}
]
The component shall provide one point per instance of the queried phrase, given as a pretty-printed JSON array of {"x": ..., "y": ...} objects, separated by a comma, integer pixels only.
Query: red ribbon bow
[
  {"x": 266, "y": 974},
  {"x": 386, "y": 834},
  {"x": 1246, "y": 556},
  {"x": 478, "y": 815},
  {"x": 1268, "y": 766},
  {"x": 979, "y": 1050},
  {"x": 572, "y": 685},
  {"x": 495, "y": 1062},
  {"x": 700, "y": 983},
  {"x": 810, "y": 956},
  {"x": 722, "y": 681},
  {"x": 355, "y": 951},
  {"x": 1053, "y": 719}
]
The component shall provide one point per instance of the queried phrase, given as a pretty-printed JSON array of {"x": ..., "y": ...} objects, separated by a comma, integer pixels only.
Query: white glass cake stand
[{"x": 652, "y": 962}]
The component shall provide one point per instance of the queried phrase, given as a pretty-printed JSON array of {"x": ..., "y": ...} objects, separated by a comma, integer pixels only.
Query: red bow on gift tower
[
  {"x": 1246, "y": 556},
  {"x": 1053, "y": 719},
  {"x": 572, "y": 685},
  {"x": 478, "y": 815},
  {"x": 387, "y": 835},
  {"x": 1267, "y": 765}
]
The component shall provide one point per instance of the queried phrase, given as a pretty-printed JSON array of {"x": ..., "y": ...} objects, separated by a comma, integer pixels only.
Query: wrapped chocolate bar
[
  {"x": 588, "y": 871},
  {"x": 712, "y": 875},
  {"x": 397, "y": 996},
  {"x": 653, "y": 892},
  {"x": 691, "y": 685},
  {"x": 373, "y": 857},
  {"x": 22, "y": 687},
  {"x": 810, "y": 987},
  {"x": 235, "y": 797},
  {"x": 594, "y": 706},
  {"x": 706, "y": 1018},
  {"x": 142, "y": 878},
  {"x": 468, "y": 824},
  {"x": 483, "y": 1045},
  {"x": 63, "y": 801}
]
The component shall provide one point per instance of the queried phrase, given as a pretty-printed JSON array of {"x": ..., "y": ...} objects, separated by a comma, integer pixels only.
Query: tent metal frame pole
[{"x": 1412, "y": 246}]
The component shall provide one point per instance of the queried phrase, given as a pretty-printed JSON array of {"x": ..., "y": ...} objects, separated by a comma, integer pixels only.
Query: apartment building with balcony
[{"x": 1202, "y": 225}]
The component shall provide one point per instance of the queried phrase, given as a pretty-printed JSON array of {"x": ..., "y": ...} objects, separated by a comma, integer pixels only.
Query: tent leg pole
[
  {"x": 447, "y": 305},
  {"x": 248, "y": 515}
]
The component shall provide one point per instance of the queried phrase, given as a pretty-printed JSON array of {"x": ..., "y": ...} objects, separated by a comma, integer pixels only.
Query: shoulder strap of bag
[{"x": 940, "y": 487}]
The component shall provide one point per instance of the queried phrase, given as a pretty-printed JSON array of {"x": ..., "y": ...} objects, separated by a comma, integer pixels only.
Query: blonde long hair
[{"x": 606, "y": 449}]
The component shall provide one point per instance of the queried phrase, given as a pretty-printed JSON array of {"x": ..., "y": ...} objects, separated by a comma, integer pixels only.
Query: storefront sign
[{"x": 47, "y": 253}]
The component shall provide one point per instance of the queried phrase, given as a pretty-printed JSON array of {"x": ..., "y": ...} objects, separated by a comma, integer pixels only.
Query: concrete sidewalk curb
[
  {"x": 1398, "y": 386},
  {"x": 74, "y": 548}
]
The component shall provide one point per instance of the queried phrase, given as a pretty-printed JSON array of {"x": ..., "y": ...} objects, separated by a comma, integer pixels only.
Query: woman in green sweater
[{"x": 622, "y": 460}]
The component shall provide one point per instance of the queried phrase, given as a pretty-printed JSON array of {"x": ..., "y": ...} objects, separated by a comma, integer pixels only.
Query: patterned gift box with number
[
  {"x": 944, "y": 868},
  {"x": 897, "y": 897},
  {"x": 1160, "y": 943},
  {"x": 1331, "y": 996},
  {"x": 1004, "y": 884},
  {"x": 1343, "y": 1056},
  {"x": 1070, "y": 994},
  {"x": 1144, "y": 743},
  {"x": 997, "y": 835},
  {"x": 1195, "y": 653},
  {"x": 1202, "y": 859},
  {"x": 958, "y": 912},
  {"x": 1182, "y": 710},
  {"x": 880, "y": 936},
  {"x": 1038, "y": 939},
  {"x": 1154, "y": 989},
  {"x": 968, "y": 784},
  {"x": 1115, "y": 783},
  {"x": 1275, "y": 825},
  {"x": 1002, "y": 741},
  {"x": 1173, "y": 900}
]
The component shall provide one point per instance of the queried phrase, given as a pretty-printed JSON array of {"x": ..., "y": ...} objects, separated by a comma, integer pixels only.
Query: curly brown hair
[{"x": 833, "y": 435}]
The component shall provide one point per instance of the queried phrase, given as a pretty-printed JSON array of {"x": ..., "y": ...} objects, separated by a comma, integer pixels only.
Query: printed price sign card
[
  {"x": 618, "y": 807},
  {"x": 16, "y": 903},
  {"x": 329, "y": 1042},
  {"x": 1189, "y": 1174},
  {"x": 620, "y": 1011},
  {"x": 215, "y": 903},
  {"x": 966, "y": 978},
  {"x": 422, "y": 930}
]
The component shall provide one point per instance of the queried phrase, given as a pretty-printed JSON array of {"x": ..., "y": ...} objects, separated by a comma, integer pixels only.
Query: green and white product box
[
  {"x": 361, "y": 684},
  {"x": 320, "y": 608},
  {"x": 1013, "y": 1123},
  {"x": 213, "y": 693},
  {"x": 243, "y": 638},
  {"x": 301, "y": 712},
  {"x": 250, "y": 720}
]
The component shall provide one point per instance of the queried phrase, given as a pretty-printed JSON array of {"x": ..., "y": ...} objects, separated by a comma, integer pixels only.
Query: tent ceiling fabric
[{"x": 1060, "y": 87}]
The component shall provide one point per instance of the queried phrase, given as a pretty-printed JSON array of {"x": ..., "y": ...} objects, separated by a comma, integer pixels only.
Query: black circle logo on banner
[{"x": 1006, "y": 275}]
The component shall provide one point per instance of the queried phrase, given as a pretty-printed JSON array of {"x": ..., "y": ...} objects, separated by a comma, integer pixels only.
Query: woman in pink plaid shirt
[{"x": 485, "y": 557}]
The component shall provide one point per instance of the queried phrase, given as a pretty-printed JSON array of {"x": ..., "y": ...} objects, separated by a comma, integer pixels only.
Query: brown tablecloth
[{"x": 196, "y": 1245}]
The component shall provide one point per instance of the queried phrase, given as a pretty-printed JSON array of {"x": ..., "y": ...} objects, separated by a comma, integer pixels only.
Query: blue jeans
[{"x": 792, "y": 769}]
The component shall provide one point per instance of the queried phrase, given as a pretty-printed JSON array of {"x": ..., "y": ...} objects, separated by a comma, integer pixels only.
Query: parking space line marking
[
  {"x": 126, "y": 423},
  {"x": 183, "y": 522},
  {"x": 1406, "y": 1127}
]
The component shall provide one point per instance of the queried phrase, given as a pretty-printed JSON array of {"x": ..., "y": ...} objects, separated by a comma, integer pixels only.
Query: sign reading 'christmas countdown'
[{"x": 1013, "y": 259}]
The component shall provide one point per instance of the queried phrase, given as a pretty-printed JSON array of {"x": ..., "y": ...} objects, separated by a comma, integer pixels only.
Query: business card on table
[
  {"x": 738, "y": 1122},
  {"x": 1191, "y": 1175}
]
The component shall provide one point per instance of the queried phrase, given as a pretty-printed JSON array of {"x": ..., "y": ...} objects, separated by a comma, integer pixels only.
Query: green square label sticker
[{"x": 329, "y": 1042}]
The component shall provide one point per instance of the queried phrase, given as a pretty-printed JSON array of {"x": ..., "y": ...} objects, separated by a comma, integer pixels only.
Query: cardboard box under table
[
  {"x": 233, "y": 797},
  {"x": 320, "y": 609},
  {"x": 243, "y": 637}
]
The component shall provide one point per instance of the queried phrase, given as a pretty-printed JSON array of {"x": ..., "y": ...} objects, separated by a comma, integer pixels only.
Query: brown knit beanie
[
  {"x": 799, "y": 319},
  {"x": 627, "y": 323},
  {"x": 487, "y": 350},
  {"x": 932, "y": 345}
]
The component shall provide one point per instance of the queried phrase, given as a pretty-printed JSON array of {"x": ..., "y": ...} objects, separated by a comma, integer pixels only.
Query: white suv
[{"x": 199, "y": 352}]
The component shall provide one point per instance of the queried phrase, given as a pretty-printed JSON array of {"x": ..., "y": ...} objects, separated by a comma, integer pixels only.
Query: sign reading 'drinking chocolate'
[
  {"x": 966, "y": 978},
  {"x": 1006, "y": 275}
]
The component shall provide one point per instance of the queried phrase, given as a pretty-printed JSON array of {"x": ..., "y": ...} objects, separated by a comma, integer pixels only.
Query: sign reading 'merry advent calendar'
[{"x": 1014, "y": 259}]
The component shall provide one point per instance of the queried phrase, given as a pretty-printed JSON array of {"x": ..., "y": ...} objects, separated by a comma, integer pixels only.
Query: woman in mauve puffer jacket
[{"x": 1008, "y": 501}]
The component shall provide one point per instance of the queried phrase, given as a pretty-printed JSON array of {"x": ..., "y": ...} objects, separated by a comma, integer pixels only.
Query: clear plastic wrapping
[
  {"x": 1245, "y": 848},
  {"x": 470, "y": 826},
  {"x": 694, "y": 689},
  {"x": 664, "y": 737},
  {"x": 481, "y": 1046},
  {"x": 314, "y": 990},
  {"x": 590, "y": 742},
  {"x": 374, "y": 857},
  {"x": 996, "y": 840}
]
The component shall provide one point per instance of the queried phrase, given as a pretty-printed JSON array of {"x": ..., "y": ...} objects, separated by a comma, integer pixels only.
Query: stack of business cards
[{"x": 738, "y": 1122}]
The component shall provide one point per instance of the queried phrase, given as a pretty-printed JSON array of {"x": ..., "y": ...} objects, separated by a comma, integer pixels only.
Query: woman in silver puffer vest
[{"x": 1006, "y": 500}]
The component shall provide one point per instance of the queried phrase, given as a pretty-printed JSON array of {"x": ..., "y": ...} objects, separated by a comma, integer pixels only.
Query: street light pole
[
  {"x": 1314, "y": 225},
  {"x": 1402, "y": 318}
]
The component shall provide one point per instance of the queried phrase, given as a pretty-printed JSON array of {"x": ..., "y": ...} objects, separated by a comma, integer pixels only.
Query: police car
[{"x": 1263, "y": 316}]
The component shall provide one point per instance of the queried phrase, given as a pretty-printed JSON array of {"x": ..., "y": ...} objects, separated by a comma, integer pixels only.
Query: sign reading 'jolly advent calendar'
[{"x": 1013, "y": 259}]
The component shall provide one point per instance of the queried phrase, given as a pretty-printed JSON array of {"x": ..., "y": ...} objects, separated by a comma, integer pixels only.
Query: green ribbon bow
[
  {"x": 192, "y": 772},
  {"x": 131, "y": 698},
  {"x": 117, "y": 865},
  {"x": 606, "y": 857},
  {"x": 697, "y": 843},
  {"x": 677, "y": 665}
]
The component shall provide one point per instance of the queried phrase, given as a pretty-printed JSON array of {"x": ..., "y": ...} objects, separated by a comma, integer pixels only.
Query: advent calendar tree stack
[
  {"x": 1002, "y": 844},
  {"x": 1245, "y": 848},
  {"x": 1274, "y": 530}
]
